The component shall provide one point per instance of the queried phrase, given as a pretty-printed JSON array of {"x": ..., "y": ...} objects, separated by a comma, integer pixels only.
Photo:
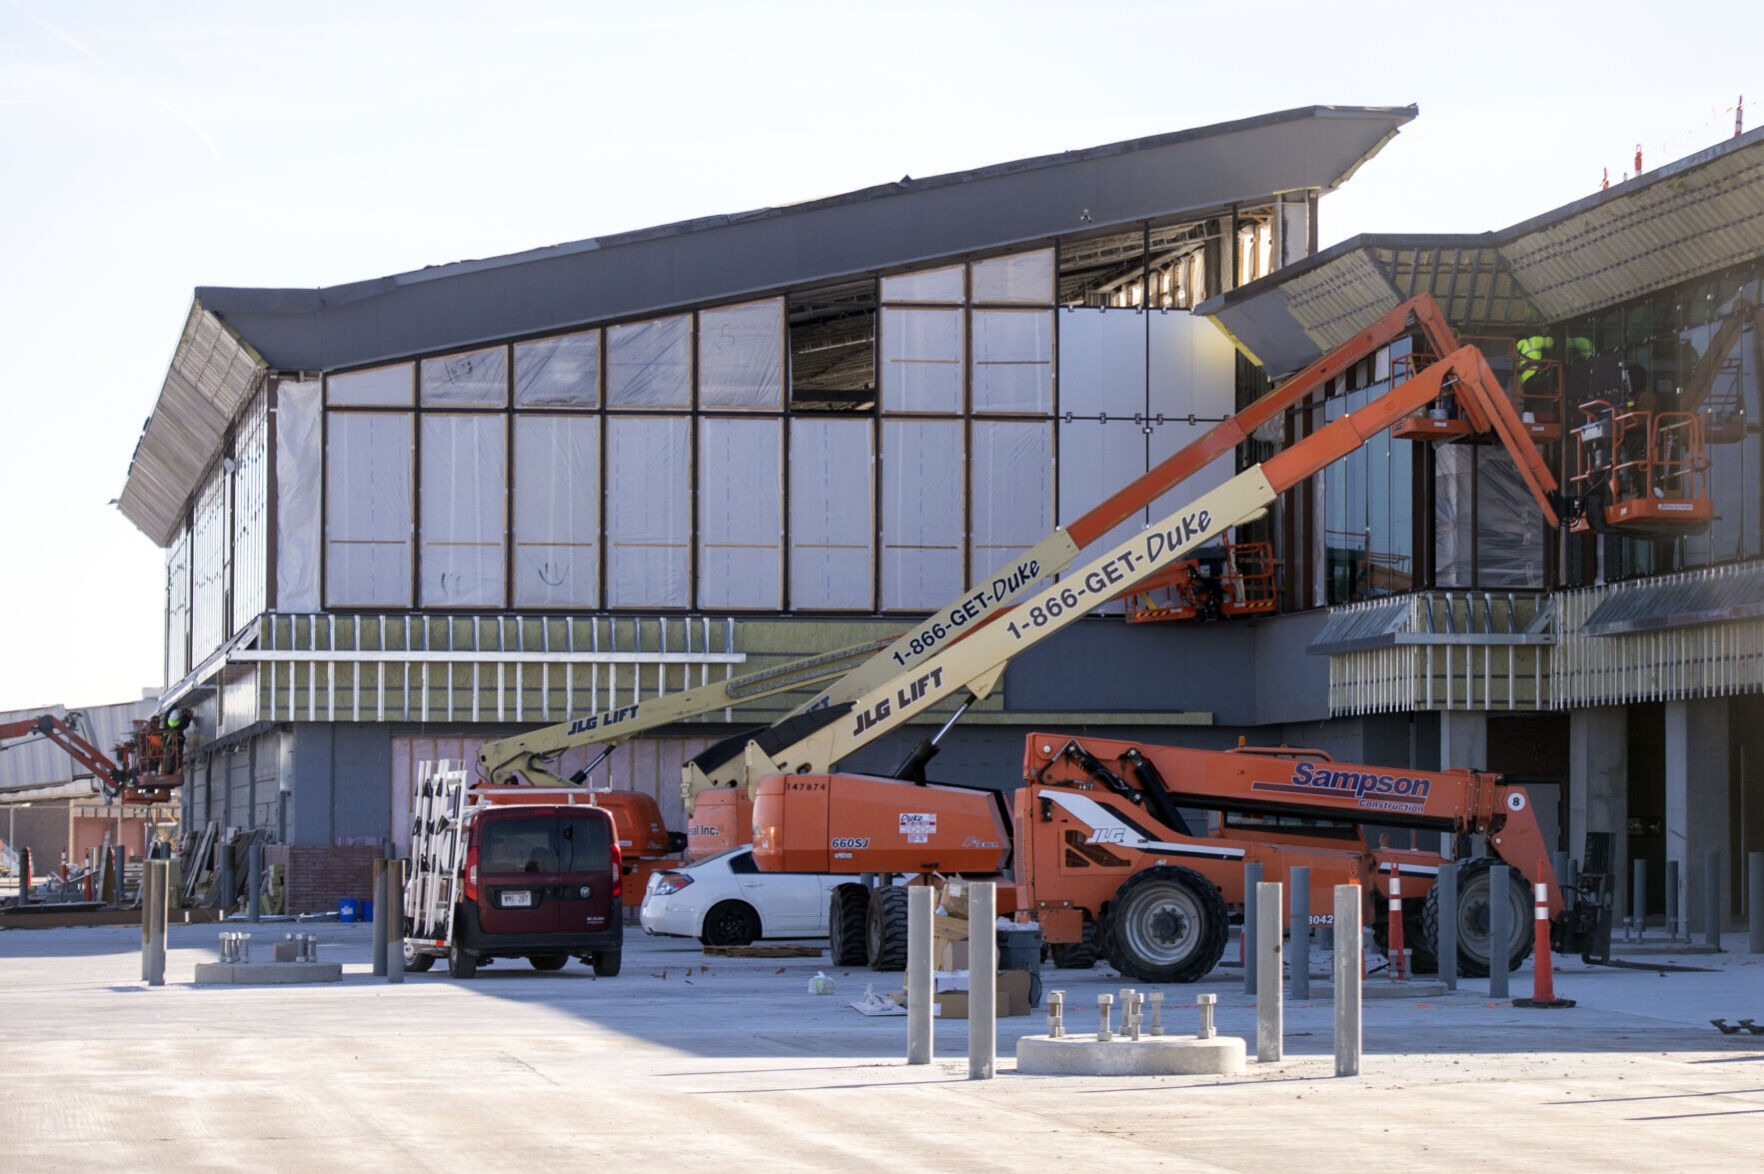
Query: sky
[{"x": 147, "y": 149}]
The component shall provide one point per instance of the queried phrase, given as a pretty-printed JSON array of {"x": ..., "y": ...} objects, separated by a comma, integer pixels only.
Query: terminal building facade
[{"x": 406, "y": 516}]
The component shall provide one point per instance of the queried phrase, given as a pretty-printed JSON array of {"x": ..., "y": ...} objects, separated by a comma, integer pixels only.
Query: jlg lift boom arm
[{"x": 113, "y": 779}]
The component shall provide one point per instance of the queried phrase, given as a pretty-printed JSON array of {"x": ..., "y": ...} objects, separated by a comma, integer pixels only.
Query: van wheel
[
  {"x": 415, "y": 963},
  {"x": 549, "y": 961},
  {"x": 846, "y": 911},
  {"x": 730, "y": 923},
  {"x": 461, "y": 963},
  {"x": 606, "y": 962}
]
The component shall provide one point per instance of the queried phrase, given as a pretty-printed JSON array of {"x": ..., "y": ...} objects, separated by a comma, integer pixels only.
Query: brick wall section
[{"x": 317, "y": 876}]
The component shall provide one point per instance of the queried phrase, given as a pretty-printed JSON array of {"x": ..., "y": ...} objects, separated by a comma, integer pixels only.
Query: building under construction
[{"x": 408, "y": 515}]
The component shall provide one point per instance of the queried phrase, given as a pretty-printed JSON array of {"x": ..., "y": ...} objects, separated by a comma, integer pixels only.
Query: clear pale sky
[{"x": 146, "y": 149}]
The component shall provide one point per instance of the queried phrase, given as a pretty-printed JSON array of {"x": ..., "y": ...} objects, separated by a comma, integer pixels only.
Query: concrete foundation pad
[
  {"x": 265, "y": 973},
  {"x": 1323, "y": 992},
  {"x": 1041, "y": 1055}
]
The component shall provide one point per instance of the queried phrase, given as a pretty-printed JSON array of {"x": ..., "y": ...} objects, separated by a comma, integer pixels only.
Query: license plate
[{"x": 520, "y": 900}]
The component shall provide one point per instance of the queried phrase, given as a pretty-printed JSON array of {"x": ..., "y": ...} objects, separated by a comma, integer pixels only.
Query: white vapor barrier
[
  {"x": 741, "y": 356},
  {"x": 832, "y": 514},
  {"x": 1012, "y": 490},
  {"x": 559, "y": 372},
  {"x": 922, "y": 522},
  {"x": 648, "y": 511},
  {"x": 177, "y": 607},
  {"x": 1096, "y": 459},
  {"x": 299, "y": 467},
  {"x": 1025, "y": 277},
  {"x": 931, "y": 285},
  {"x": 921, "y": 360},
  {"x": 740, "y": 513},
  {"x": 1102, "y": 363},
  {"x": 557, "y": 511},
  {"x": 469, "y": 379},
  {"x": 649, "y": 364},
  {"x": 464, "y": 518},
  {"x": 1166, "y": 440},
  {"x": 1013, "y": 360},
  {"x": 1453, "y": 535},
  {"x": 250, "y": 516},
  {"x": 375, "y": 387},
  {"x": 1509, "y": 526},
  {"x": 367, "y": 510},
  {"x": 209, "y": 535},
  {"x": 1193, "y": 368}
]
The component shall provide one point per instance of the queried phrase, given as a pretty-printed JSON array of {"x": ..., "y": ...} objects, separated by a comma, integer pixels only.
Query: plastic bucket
[
  {"x": 364, "y": 910},
  {"x": 348, "y": 909}
]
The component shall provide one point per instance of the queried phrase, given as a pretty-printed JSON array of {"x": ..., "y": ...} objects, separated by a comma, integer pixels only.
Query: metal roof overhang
[
  {"x": 1736, "y": 593},
  {"x": 1691, "y": 218}
]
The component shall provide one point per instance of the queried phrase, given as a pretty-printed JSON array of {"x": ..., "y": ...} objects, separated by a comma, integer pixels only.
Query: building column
[
  {"x": 1598, "y": 789},
  {"x": 1697, "y": 799},
  {"x": 1463, "y": 739}
]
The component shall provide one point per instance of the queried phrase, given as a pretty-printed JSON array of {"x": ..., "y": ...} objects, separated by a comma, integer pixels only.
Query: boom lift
[{"x": 151, "y": 759}]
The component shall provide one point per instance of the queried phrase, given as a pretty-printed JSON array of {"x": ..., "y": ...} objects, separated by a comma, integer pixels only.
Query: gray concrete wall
[
  {"x": 1598, "y": 788},
  {"x": 1290, "y": 684},
  {"x": 341, "y": 777},
  {"x": 41, "y": 827},
  {"x": 1109, "y": 666},
  {"x": 1698, "y": 800}
]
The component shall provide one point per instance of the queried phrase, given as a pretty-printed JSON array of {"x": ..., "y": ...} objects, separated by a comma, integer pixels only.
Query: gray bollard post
[
  {"x": 1672, "y": 900},
  {"x": 1252, "y": 876},
  {"x": 1638, "y": 906},
  {"x": 918, "y": 974},
  {"x": 379, "y": 922},
  {"x": 1104, "y": 1033},
  {"x": 1448, "y": 924},
  {"x": 1206, "y": 1003},
  {"x": 1712, "y": 898},
  {"x": 146, "y": 919},
  {"x": 1157, "y": 1006},
  {"x": 1056, "y": 1015},
  {"x": 1348, "y": 966},
  {"x": 24, "y": 878},
  {"x": 1270, "y": 1017},
  {"x": 983, "y": 981},
  {"x": 229, "y": 881},
  {"x": 1755, "y": 902},
  {"x": 120, "y": 855},
  {"x": 394, "y": 920},
  {"x": 155, "y": 911},
  {"x": 1300, "y": 932},
  {"x": 1499, "y": 932},
  {"x": 254, "y": 877}
]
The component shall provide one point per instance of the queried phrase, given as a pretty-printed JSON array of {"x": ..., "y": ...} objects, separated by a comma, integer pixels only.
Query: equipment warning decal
[{"x": 918, "y": 826}]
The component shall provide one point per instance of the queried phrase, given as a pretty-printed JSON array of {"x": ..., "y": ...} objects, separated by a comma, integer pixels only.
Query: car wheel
[
  {"x": 730, "y": 923},
  {"x": 549, "y": 961},
  {"x": 461, "y": 963},
  {"x": 606, "y": 962}
]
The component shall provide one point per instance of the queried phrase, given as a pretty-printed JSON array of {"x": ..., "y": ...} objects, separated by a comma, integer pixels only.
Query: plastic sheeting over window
[
  {"x": 740, "y": 513},
  {"x": 741, "y": 356},
  {"x": 1096, "y": 459},
  {"x": 209, "y": 537},
  {"x": 648, "y": 511},
  {"x": 649, "y": 364},
  {"x": 1013, "y": 361},
  {"x": 375, "y": 387},
  {"x": 469, "y": 379},
  {"x": 464, "y": 480},
  {"x": 1498, "y": 544},
  {"x": 1011, "y": 482},
  {"x": 367, "y": 509},
  {"x": 922, "y": 514},
  {"x": 921, "y": 360},
  {"x": 931, "y": 285},
  {"x": 832, "y": 515},
  {"x": 560, "y": 372},
  {"x": 1193, "y": 368},
  {"x": 557, "y": 511},
  {"x": 1102, "y": 364},
  {"x": 177, "y": 608},
  {"x": 299, "y": 467},
  {"x": 250, "y": 516},
  {"x": 1023, "y": 278}
]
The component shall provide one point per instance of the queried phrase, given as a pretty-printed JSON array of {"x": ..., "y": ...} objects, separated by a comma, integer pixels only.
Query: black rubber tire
[
  {"x": 548, "y": 961},
  {"x": 415, "y": 963},
  {"x": 1079, "y": 955},
  {"x": 1474, "y": 950},
  {"x": 730, "y": 923},
  {"x": 461, "y": 963},
  {"x": 1166, "y": 924},
  {"x": 606, "y": 962},
  {"x": 847, "y": 910},
  {"x": 885, "y": 928},
  {"x": 1422, "y": 959}
]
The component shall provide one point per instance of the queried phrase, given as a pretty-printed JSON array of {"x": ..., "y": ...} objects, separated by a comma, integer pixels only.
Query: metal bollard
[
  {"x": 254, "y": 866},
  {"x": 1638, "y": 908},
  {"x": 983, "y": 981},
  {"x": 1672, "y": 889},
  {"x": 1104, "y": 1033},
  {"x": 1252, "y": 877},
  {"x": 378, "y": 932},
  {"x": 1712, "y": 898},
  {"x": 1157, "y": 1006},
  {"x": 918, "y": 974},
  {"x": 154, "y": 911},
  {"x": 1347, "y": 980},
  {"x": 1448, "y": 924},
  {"x": 1056, "y": 1015},
  {"x": 1755, "y": 902},
  {"x": 395, "y": 869},
  {"x": 24, "y": 879},
  {"x": 1270, "y": 1014},
  {"x": 229, "y": 882},
  {"x": 1499, "y": 932},
  {"x": 1300, "y": 932},
  {"x": 1207, "y": 1030}
]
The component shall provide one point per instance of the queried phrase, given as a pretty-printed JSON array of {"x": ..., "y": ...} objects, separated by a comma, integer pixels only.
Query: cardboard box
[
  {"x": 951, "y": 955},
  {"x": 954, "y": 898},
  {"x": 1012, "y": 991}
]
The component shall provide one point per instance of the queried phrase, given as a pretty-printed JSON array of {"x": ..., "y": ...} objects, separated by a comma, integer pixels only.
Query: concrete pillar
[
  {"x": 982, "y": 980},
  {"x": 1598, "y": 788},
  {"x": 918, "y": 975},
  {"x": 1463, "y": 740},
  {"x": 1697, "y": 795}
]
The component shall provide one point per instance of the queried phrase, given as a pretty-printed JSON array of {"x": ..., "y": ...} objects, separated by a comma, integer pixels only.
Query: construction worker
[{"x": 172, "y": 759}]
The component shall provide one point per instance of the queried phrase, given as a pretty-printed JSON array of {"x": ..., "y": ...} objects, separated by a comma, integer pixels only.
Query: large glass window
[
  {"x": 464, "y": 514},
  {"x": 648, "y": 511},
  {"x": 557, "y": 511},
  {"x": 367, "y": 509},
  {"x": 740, "y": 513}
]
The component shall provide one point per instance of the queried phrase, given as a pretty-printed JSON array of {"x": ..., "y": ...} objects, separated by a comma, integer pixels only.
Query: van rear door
[
  {"x": 585, "y": 860},
  {"x": 518, "y": 871}
]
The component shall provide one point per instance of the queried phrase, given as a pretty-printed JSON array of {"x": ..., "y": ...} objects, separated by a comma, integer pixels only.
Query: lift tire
[
  {"x": 1080, "y": 955},
  {"x": 548, "y": 961},
  {"x": 730, "y": 923},
  {"x": 461, "y": 963},
  {"x": 1166, "y": 924},
  {"x": 847, "y": 910},
  {"x": 606, "y": 962},
  {"x": 1474, "y": 951},
  {"x": 1423, "y": 956},
  {"x": 885, "y": 928}
]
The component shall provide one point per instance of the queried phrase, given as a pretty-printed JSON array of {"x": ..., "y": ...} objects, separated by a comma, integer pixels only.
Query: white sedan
[{"x": 725, "y": 900}]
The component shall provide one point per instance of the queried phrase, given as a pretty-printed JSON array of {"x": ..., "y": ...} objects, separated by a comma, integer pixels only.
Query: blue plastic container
[
  {"x": 364, "y": 910},
  {"x": 348, "y": 909}
]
